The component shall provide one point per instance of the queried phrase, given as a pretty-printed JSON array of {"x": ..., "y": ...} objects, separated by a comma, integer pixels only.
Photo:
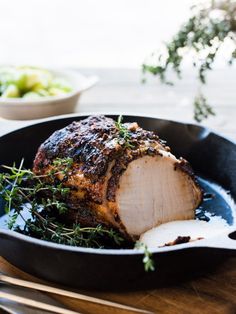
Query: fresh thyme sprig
[
  {"x": 211, "y": 27},
  {"x": 75, "y": 236},
  {"x": 19, "y": 185},
  {"x": 63, "y": 164},
  {"x": 124, "y": 133},
  {"x": 148, "y": 261},
  {"x": 201, "y": 109},
  {"x": 21, "y": 189}
]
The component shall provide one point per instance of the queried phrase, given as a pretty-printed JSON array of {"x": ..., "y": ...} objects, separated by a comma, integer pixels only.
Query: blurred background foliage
[{"x": 211, "y": 26}]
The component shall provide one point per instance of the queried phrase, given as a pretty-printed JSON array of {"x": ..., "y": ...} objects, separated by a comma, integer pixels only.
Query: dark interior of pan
[{"x": 212, "y": 158}]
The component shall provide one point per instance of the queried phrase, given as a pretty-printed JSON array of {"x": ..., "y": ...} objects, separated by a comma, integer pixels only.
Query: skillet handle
[{"x": 225, "y": 241}]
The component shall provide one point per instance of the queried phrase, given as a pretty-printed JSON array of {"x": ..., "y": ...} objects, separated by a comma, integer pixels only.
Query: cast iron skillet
[{"x": 212, "y": 157}]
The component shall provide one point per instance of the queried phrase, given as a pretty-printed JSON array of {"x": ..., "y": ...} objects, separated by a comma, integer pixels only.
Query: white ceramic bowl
[{"x": 27, "y": 109}]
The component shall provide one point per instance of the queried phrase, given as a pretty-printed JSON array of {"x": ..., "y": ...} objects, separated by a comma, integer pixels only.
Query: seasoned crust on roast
[{"x": 94, "y": 141}]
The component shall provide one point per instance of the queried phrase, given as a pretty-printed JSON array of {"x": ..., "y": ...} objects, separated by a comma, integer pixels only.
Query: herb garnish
[
  {"x": 148, "y": 261},
  {"x": 64, "y": 164},
  {"x": 21, "y": 189},
  {"x": 124, "y": 133}
]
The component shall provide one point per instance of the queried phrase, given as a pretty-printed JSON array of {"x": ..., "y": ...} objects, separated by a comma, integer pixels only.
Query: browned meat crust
[{"x": 95, "y": 142}]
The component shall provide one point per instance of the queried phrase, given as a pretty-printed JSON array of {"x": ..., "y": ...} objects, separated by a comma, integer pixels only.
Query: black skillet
[{"x": 211, "y": 156}]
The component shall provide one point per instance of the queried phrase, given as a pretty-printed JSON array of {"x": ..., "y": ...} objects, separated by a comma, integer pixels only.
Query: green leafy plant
[
  {"x": 124, "y": 133},
  {"x": 212, "y": 25},
  {"x": 21, "y": 189},
  {"x": 148, "y": 261}
]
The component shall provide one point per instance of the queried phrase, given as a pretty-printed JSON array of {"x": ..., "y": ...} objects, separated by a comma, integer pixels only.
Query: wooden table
[{"x": 121, "y": 91}]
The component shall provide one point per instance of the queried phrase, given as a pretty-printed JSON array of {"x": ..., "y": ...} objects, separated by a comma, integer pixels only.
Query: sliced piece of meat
[{"x": 153, "y": 191}]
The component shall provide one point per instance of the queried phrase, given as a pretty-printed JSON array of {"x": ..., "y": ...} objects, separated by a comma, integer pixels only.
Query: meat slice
[
  {"x": 122, "y": 176},
  {"x": 154, "y": 190}
]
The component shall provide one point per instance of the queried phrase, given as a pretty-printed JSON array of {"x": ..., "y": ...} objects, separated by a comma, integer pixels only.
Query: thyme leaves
[
  {"x": 210, "y": 28},
  {"x": 21, "y": 189},
  {"x": 124, "y": 133},
  {"x": 148, "y": 261},
  {"x": 201, "y": 108}
]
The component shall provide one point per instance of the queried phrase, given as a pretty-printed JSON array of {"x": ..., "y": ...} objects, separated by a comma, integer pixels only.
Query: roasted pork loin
[{"x": 122, "y": 176}]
